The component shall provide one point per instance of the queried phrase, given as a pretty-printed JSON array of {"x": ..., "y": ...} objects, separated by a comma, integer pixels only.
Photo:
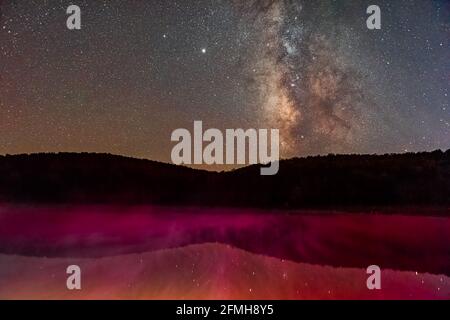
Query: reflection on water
[{"x": 353, "y": 240}]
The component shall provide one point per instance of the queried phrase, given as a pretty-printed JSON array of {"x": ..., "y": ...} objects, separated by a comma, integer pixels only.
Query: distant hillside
[{"x": 421, "y": 179}]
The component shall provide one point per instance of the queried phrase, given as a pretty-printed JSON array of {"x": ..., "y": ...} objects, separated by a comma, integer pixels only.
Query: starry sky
[{"x": 137, "y": 70}]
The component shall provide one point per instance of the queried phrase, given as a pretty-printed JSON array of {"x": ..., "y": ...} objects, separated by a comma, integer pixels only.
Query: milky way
[
  {"x": 308, "y": 91},
  {"x": 312, "y": 85}
]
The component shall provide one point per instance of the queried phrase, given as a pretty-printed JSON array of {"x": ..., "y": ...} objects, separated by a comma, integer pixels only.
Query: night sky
[{"x": 137, "y": 70}]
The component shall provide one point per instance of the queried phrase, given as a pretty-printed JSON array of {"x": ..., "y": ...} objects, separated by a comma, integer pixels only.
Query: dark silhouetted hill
[{"x": 421, "y": 179}]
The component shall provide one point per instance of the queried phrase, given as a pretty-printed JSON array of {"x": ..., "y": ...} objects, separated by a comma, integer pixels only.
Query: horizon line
[{"x": 205, "y": 167}]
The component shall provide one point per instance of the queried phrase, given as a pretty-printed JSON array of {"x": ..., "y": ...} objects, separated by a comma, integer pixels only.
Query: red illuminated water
[{"x": 400, "y": 242}]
